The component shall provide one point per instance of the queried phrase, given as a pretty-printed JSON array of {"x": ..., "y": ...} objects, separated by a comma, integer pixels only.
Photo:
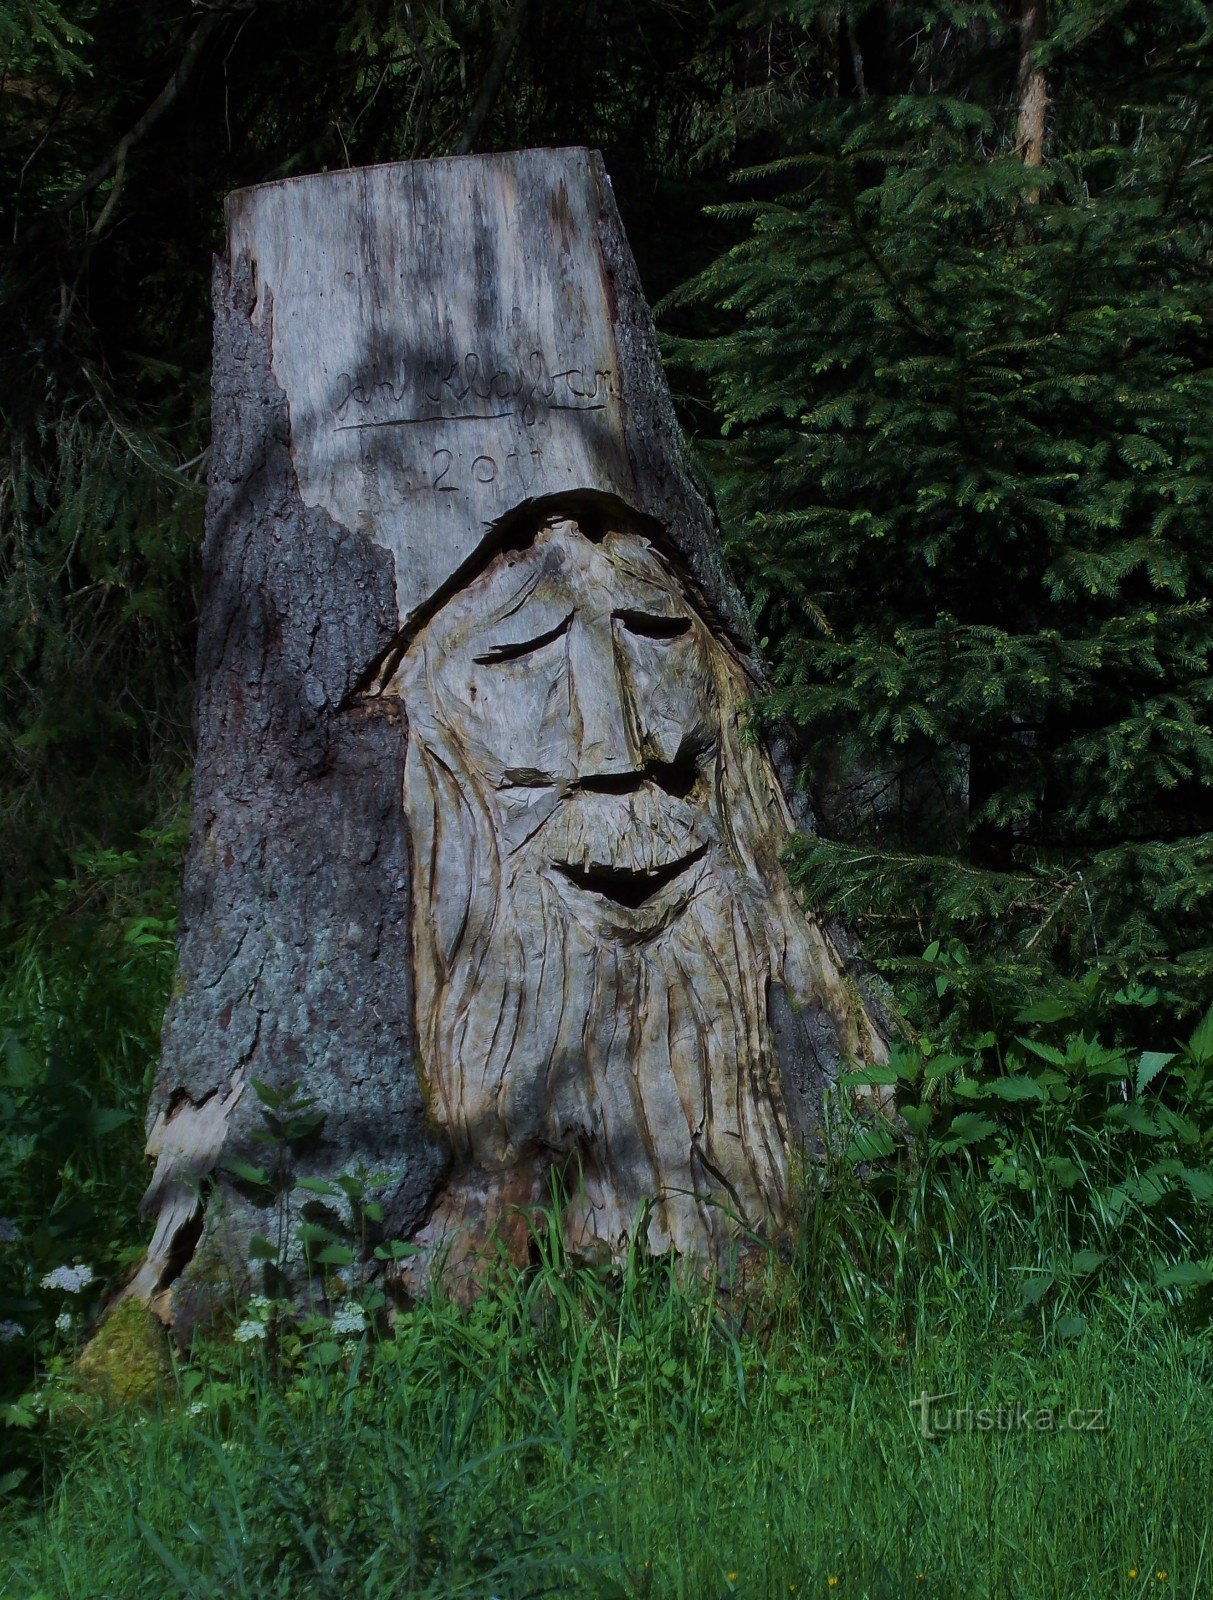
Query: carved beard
[{"x": 628, "y": 1046}]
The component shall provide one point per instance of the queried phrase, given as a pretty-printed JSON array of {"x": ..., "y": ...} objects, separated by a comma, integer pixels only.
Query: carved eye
[
  {"x": 522, "y": 647},
  {"x": 648, "y": 625}
]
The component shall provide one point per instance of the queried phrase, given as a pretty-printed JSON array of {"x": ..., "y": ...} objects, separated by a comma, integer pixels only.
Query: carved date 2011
[{"x": 452, "y": 471}]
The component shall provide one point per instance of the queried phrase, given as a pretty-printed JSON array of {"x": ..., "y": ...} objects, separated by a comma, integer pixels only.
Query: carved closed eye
[
  {"x": 648, "y": 625},
  {"x": 523, "y": 647}
]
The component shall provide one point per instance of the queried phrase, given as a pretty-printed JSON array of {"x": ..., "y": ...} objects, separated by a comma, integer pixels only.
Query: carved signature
[{"x": 472, "y": 389}]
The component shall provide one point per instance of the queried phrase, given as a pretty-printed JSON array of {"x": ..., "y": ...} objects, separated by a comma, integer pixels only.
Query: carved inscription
[
  {"x": 472, "y": 388},
  {"x": 450, "y": 469}
]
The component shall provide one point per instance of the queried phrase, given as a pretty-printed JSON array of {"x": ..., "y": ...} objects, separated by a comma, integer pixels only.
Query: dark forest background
[
  {"x": 936, "y": 286},
  {"x": 938, "y": 295}
]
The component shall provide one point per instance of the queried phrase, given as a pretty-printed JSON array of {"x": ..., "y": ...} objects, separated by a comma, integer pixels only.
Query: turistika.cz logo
[{"x": 937, "y": 1418}]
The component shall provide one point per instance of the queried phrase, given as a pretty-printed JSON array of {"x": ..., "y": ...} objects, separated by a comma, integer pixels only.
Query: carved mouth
[{"x": 626, "y": 888}]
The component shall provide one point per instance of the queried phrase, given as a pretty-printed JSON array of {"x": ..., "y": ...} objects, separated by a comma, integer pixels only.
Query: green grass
[{"x": 571, "y": 1435}]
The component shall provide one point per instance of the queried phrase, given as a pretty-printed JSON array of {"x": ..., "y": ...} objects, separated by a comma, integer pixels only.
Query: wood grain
[{"x": 480, "y": 860}]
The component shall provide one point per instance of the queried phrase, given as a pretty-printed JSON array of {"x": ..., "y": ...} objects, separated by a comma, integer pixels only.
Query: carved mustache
[{"x": 644, "y": 831}]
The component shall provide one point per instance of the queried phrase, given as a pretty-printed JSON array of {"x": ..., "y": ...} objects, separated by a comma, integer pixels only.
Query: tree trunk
[
  {"x": 1033, "y": 91},
  {"x": 484, "y": 897}
]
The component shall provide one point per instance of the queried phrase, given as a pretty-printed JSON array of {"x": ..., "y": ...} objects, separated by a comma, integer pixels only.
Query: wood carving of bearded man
[{"x": 613, "y": 977}]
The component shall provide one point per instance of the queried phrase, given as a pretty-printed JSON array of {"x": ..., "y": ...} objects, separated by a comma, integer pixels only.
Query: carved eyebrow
[
  {"x": 652, "y": 625},
  {"x": 511, "y": 607},
  {"x": 522, "y": 647}
]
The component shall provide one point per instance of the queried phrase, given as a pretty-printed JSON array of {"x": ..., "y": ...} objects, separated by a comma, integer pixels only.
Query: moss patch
[{"x": 125, "y": 1362}]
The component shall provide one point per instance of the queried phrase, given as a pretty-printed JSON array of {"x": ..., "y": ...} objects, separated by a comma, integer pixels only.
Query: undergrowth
[
  {"x": 871, "y": 1419},
  {"x": 980, "y": 1368},
  {"x": 84, "y": 977}
]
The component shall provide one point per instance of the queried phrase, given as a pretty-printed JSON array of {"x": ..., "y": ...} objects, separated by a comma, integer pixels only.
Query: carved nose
[{"x": 605, "y": 745}]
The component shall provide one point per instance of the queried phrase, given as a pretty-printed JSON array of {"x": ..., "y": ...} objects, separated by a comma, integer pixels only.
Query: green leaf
[
  {"x": 1199, "y": 1183},
  {"x": 1183, "y": 1275},
  {"x": 181, "y": 1577},
  {"x": 868, "y": 1075},
  {"x": 1046, "y": 1052},
  {"x": 1064, "y": 1170},
  {"x": 260, "y": 1249},
  {"x": 1084, "y": 1261},
  {"x": 326, "y": 1354},
  {"x": 100, "y": 1120},
  {"x": 1134, "y": 1116},
  {"x": 968, "y": 1128},
  {"x": 871, "y": 1144},
  {"x": 396, "y": 1250},
  {"x": 272, "y": 1099},
  {"x": 314, "y": 1233},
  {"x": 317, "y": 1186},
  {"x": 917, "y": 1118},
  {"x": 20, "y": 1067},
  {"x": 1070, "y": 1327},
  {"x": 1151, "y": 1064},
  {"x": 969, "y": 1088},
  {"x": 1016, "y": 1088},
  {"x": 297, "y": 1128},
  {"x": 247, "y": 1173},
  {"x": 1049, "y": 1009},
  {"x": 1032, "y": 1292},
  {"x": 1201, "y": 1042},
  {"x": 336, "y": 1255},
  {"x": 941, "y": 1064},
  {"x": 1144, "y": 1188},
  {"x": 1181, "y": 1128}
]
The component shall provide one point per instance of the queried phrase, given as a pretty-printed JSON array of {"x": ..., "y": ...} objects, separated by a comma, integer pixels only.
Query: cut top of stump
[{"x": 456, "y": 338}]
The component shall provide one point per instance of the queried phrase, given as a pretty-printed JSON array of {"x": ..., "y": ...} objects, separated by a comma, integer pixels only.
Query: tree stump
[{"x": 483, "y": 898}]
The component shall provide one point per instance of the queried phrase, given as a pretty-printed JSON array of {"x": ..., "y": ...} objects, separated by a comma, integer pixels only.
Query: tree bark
[
  {"x": 1033, "y": 90},
  {"x": 481, "y": 868}
]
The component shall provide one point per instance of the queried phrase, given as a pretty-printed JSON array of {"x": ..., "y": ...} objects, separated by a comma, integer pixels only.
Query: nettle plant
[
  {"x": 333, "y": 1225},
  {"x": 1113, "y": 1144}
]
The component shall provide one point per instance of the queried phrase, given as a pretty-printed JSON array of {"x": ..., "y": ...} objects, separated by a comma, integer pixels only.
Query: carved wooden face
[
  {"x": 588, "y": 710},
  {"x": 600, "y": 917}
]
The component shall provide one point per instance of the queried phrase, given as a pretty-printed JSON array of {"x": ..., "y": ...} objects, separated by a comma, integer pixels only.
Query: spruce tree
[{"x": 963, "y": 375}]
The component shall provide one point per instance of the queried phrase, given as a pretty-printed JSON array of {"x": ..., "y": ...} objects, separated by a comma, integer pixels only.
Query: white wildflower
[
  {"x": 249, "y": 1329},
  {"x": 10, "y": 1331},
  {"x": 198, "y": 1407},
  {"x": 70, "y": 1279},
  {"x": 260, "y": 1306},
  {"x": 64, "y": 1322},
  {"x": 350, "y": 1319}
]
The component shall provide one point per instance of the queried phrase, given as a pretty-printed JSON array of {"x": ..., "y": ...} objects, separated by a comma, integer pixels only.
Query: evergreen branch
[
  {"x": 1184, "y": 156},
  {"x": 114, "y": 164},
  {"x": 873, "y": 255}
]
